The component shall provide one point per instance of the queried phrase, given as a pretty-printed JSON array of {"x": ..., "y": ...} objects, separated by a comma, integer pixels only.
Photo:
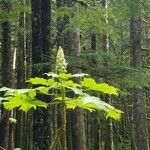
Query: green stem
[
  {"x": 63, "y": 120},
  {"x": 61, "y": 132}
]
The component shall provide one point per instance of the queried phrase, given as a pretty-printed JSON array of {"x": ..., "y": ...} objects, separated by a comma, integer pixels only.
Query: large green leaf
[
  {"x": 23, "y": 101},
  {"x": 92, "y": 103},
  {"x": 12, "y": 92},
  {"x": 103, "y": 87},
  {"x": 97, "y": 104},
  {"x": 70, "y": 83},
  {"x": 65, "y": 76},
  {"x": 77, "y": 102},
  {"x": 43, "y": 90}
]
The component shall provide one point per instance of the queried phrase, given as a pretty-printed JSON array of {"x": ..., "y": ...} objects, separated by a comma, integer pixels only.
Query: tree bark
[
  {"x": 36, "y": 36},
  {"x": 141, "y": 138},
  {"x": 6, "y": 130},
  {"x": 41, "y": 25},
  {"x": 72, "y": 48}
]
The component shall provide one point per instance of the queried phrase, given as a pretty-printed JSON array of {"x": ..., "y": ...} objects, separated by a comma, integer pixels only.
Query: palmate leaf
[
  {"x": 99, "y": 105},
  {"x": 23, "y": 101},
  {"x": 72, "y": 103},
  {"x": 78, "y": 102},
  {"x": 43, "y": 89},
  {"x": 92, "y": 103},
  {"x": 12, "y": 92},
  {"x": 31, "y": 93},
  {"x": 101, "y": 87},
  {"x": 70, "y": 83},
  {"x": 65, "y": 76}
]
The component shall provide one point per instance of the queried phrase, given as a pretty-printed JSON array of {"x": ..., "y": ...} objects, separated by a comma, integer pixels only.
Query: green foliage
[
  {"x": 15, "y": 8},
  {"x": 103, "y": 87},
  {"x": 40, "y": 81},
  {"x": 26, "y": 99}
]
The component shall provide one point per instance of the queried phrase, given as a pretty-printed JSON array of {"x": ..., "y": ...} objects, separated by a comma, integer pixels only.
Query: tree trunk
[
  {"x": 95, "y": 115},
  {"x": 141, "y": 138},
  {"x": 36, "y": 37},
  {"x": 109, "y": 144},
  {"x": 41, "y": 23},
  {"x": 72, "y": 48},
  {"x": 46, "y": 34},
  {"x": 6, "y": 129},
  {"x": 21, "y": 74}
]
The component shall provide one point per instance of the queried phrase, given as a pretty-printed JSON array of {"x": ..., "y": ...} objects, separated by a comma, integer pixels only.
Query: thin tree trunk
[
  {"x": 19, "y": 130},
  {"x": 95, "y": 115},
  {"x": 109, "y": 144}
]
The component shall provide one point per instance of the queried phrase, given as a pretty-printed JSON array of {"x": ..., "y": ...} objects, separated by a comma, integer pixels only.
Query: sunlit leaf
[
  {"x": 65, "y": 76},
  {"x": 70, "y": 83},
  {"x": 31, "y": 94},
  {"x": 97, "y": 104},
  {"x": 114, "y": 113},
  {"x": 103, "y": 87},
  {"x": 40, "y": 81},
  {"x": 23, "y": 101},
  {"x": 43, "y": 89}
]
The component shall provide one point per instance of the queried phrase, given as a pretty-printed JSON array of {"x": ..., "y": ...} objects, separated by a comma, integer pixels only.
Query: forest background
[{"x": 107, "y": 39}]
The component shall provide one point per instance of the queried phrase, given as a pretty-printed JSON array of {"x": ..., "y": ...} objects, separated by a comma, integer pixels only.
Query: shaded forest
[{"x": 75, "y": 74}]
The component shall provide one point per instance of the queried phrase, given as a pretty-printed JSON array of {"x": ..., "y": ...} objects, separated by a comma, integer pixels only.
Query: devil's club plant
[{"x": 63, "y": 83}]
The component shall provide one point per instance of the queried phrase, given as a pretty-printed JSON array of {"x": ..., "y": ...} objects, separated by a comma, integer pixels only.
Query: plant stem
[
  {"x": 61, "y": 132},
  {"x": 63, "y": 120}
]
